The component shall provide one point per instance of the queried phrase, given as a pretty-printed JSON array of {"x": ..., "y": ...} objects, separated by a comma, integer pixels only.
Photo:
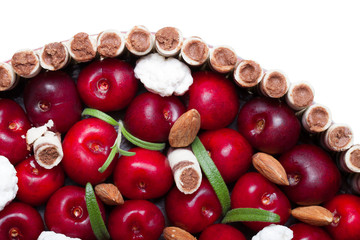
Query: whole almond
[
  {"x": 175, "y": 233},
  {"x": 270, "y": 168},
  {"x": 109, "y": 194},
  {"x": 313, "y": 215},
  {"x": 185, "y": 129}
]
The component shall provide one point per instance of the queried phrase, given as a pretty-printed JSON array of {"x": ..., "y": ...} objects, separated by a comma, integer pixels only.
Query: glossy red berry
[
  {"x": 36, "y": 184},
  {"x": 107, "y": 85}
]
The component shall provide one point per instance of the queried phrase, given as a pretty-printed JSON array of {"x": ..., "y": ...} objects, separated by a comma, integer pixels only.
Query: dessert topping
[
  {"x": 8, "y": 182},
  {"x": 274, "y": 232},
  {"x": 300, "y": 95},
  {"x": 163, "y": 76},
  {"x": 274, "y": 84},
  {"x": 186, "y": 169},
  {"x": 50, "y": 235},
  {"x": 317, "y": 118},
  {"x": 185, "y": 129}
]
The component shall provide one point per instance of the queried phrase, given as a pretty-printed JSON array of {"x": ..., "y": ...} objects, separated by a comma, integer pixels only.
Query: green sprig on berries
[
  {"x": 250, "y": 215},
  {"x": 97, "y": 223},
  {"x": 122, "y": 131}
]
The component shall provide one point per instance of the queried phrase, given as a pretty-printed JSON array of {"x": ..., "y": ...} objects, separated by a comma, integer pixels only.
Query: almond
[
  {"x": 109, "y": 194},
  {"x": 175, "y": 233},
  {"x": 313, "y": 215},
  {"x": 185, "y": 129},
  {"x": 270, "y": 168}
]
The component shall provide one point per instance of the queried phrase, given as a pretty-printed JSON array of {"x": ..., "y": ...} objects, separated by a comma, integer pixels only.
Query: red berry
[
  {"x": 136, "y": 219},
  {"x": 221, "y": 231},
  {"x": 66, "y": 213},
  {"x": 313, "y": 176},
  {"x": 193, "y": 212},
  {"x": 304, "y": 231},
  {"x": 107, "y": 85},
  {"x": 254, "y": 191},
  {"x": 150, "y": 116},
  {"x": 215, "y": 98},
  {"x": 86, "y": 147},
  {"x": 13, "y": 127},
  {"x": 36, "y": 184},
  {"x": 346, "y": 211},
  {"x": 52, "y": 95},
  {"x": 230, "y": 152},
  {"x": 269, "y": 125},
  {"x": 20, "y": 221},
  {"x": 143, "y": 176}
]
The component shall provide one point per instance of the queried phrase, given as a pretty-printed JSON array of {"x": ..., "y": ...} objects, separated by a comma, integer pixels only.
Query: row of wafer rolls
[{"x": 195, "y": 52}]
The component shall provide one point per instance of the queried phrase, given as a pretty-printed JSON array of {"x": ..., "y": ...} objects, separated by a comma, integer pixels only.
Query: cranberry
[
  {"x": 221, "y": 231},
  {"x": 346, "y": 212},
  {"x": 37, "y": 184},
  {"x": 230, "y": 152},
  {"x": 304, "y": 231},
  {"x": 143, "y": 176},
  {"x": 193, "y": 212},
  {"x": 66, "y": 213},
  {"x": 86, "y": 147},
  {"x": 269, "y": 125},
  {"x": 136, "y": 219},
  {"x": 215, "y": 98},
  {"x": 150, "y": 116},
  {"x": 313, "y": 176},
  {"x": 21, "y": 222},
  {"x": 254, "y": 191},
  {"x": 52, "y": 95},
  {"x": 13, "y": 127},
  {"x": 107, "y": 85}
]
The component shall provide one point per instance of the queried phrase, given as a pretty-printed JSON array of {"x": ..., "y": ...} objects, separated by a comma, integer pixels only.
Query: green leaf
[
  {"x": 141, "y": 143},
  {"x": 212, "y": 174},
  {"x": 100, "y": 115},
  {"x": 97, "y": 224},
  {"x": 250, "y": 215}
]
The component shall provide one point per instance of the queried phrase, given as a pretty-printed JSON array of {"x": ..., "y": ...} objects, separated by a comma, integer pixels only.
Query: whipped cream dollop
[
  {"x": 8, "y": 182},
  {"x": 163, "y": 76},
  {"x": 274, "y": 232},
  {"x": 50, "y": 235}
]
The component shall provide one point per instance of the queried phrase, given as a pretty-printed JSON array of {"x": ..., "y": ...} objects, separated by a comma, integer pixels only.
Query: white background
[{"x": 316, "y": 41}]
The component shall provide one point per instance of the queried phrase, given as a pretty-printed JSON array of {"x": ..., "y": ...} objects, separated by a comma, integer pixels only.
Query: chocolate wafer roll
[
  {"x": 300, "y": 95},
  {"x": 139, "y": 41},
  {"x": 349, "y": 160},
  {"x": 274, "y": 84},
  {"x": 82, "y": 47},
  {"x": 222, "y": 59},
  {"x": 54, "y": 56},
  {"x": 316, "y": 118},
  {"x": 8, "y": 78},
  {"x": 110, "y": 43},
  {"x": 168, "y": 41},
  {"x": 26, "y": 63},
  {"x": 338, "y": 137},
  {"x": 195, "y": 51},
  {"x": 248, "y": 73}
]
